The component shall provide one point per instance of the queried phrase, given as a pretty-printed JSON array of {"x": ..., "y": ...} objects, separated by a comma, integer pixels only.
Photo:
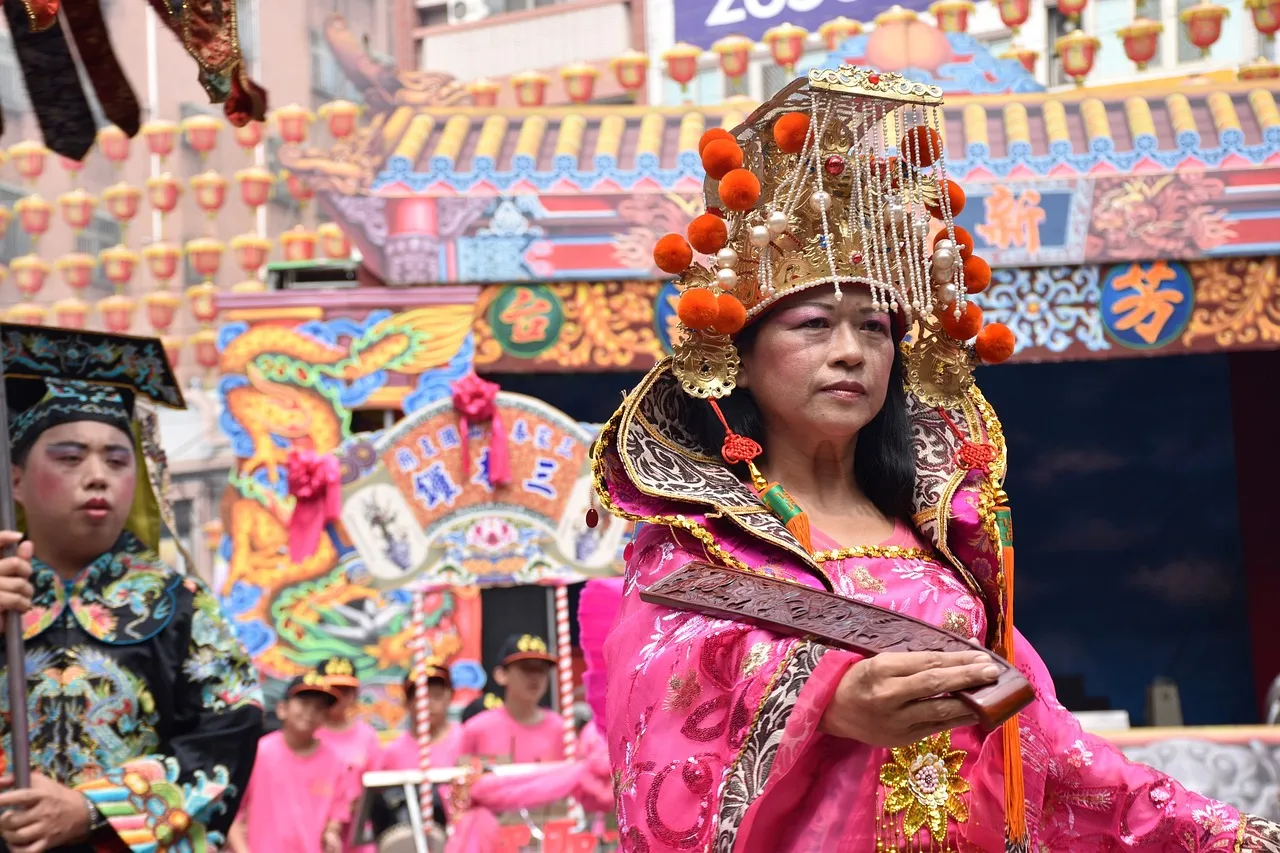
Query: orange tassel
[{"x": 1015, "y": 798}]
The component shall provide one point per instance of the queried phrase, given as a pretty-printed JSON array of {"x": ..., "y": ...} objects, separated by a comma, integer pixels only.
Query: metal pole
[{"x": 14, "y": 654}]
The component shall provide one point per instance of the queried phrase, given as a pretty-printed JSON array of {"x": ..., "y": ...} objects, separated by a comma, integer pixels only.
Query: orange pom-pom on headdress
[
  {"x": 964, "y": 241},
  {"x": 673, "y": 254},
  {"x": 708, "y": 233},
  {"x": 955, "y": 197},
  {"x": 731, "y": 316},
  {"x": 965, "y": 326},
  {"x": 720, "y": 157},
  {"x": 790, "y": 130},
  {"x": 740, "y": 190},
  {"x": 921, "y": 146},
  {"x": 995, "y": 343},
  {"x": 711, "y": 136},
  {"x": 697, "y": 309},
  {"x": 977, "y": 274}
]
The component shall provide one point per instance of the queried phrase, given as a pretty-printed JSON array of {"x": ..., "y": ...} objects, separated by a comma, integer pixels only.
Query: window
[
  {"x": 16, "y": 242},
  {"x": 433, "y": 16},
  {"x": 328, "y": 81},
  {"x": 247, "y": 18},
  {"x": 707, "y": 88},
  {"x": 13, "y": 92}
]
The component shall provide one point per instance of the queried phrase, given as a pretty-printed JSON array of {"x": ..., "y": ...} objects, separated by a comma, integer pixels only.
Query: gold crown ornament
[{"x": 838, "y": 180}]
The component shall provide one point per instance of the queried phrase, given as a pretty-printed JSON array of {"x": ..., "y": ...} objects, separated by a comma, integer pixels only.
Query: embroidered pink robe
[{"x": 714, "y": 739}]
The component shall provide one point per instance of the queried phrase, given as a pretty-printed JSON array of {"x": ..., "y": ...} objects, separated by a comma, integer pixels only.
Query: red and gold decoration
[
  {"x": 201, "y": 132},
  {"x": 1266, "y": 16},
  {"x": 299, "y": 190},
  {"x": 1073, "y": 9},
  {"x": 1014, "y": 13},
  {"x": 334, "y": 241},
  {"x": 27, "y": 313},
  {"x": 1077, "y": 52},
  {"x": 483, "y": 92},
  {"x": 42, "y": 14},
  {"x": 35, "y": 215},
  {"x": 293, "y": 123},
  {"x": 71, "y": 313},
  {"x": 205, "y": 257},
  {"x": 122, "y": 202},
  {"x": 786, "y": 43},
  {"x": 1260, "y": 69},
  {"x": 952, "y": 15},
  {"x": 29, "y": 159},
  {"x": 1141, "y": 41},
  {"x": 735, "y": 55},
  {"x": 210, "y": 190},
  {"x": 172, "y": 348},
  {"x": 631, "y": 70},
  {"x": 839, "y": 30},
  {"x": 249, "y": 136},
  {"x": 682, "y": 63},
  {"x": 251, "y": 252},
  {"x": 164, "y": 192},
  {"x": 255, "y": 186},
  {"x": 1203, "y": 23},
  {"x": 114, "y": 145},
  {"x": 72, "y": 167},
  {"x": 6, "y": 216},
  {"x": 1024, "y": 56},
  {"x": 77, "y": 209},
  {"x": 202, "y": 299},
  {"x": 161, "y": 137},
  {"x": 530, "y": 88},
  {"x": 75, "y": 269},
  {"x": 579, "y": 80},
  {"x": 205, "y": 345},
  {"x": 29, "y": 273},
  {"x": 162, "y": 261},
  {"x": 299, "y": 244},
  {"x": 162, "y": 308},
  {"x": 341, "y": 118},
  {"x": 118, "y": 265},
  {"x": 116, "y": 312}
]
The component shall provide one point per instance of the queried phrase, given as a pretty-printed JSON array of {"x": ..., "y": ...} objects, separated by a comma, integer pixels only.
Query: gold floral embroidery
[
  {"x": 957, "y": 623},
  {"x": 755, "y": 659},
  {"x": 682, "y": 691},
  {"x": 866, "y": 581},
  {"x": 890, "y": 552},
  {"x": 923, "y": 783}
]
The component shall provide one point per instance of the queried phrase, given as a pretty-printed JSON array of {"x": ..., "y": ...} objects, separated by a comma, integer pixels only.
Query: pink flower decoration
[{"x": 476, "y": 401}]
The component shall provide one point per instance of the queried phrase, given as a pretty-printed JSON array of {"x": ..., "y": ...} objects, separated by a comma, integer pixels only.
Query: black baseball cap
[
  {"x": 520, "y": 647},
  {"x": 313, "y": 683}
]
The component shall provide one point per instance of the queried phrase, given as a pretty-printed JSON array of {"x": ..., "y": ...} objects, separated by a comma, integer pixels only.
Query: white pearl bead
[
  {"x": 897, "y": 215},
  {"x": 943, "y": 245},
  {"x": 727, "y": 258},
  {"x": 820, "y": 201},
  {"x": 944, "y": 259},
  {"x": 778, "y": 223},
  {"x": 947, "y": 294},
  {"x": 759, "y": 236},
  {"x": 727, "y": 277}
]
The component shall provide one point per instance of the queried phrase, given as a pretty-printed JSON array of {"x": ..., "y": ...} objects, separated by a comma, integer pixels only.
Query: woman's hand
[
  {"x": 15, "y": 574},
  {"x": 899, "y": 698}
]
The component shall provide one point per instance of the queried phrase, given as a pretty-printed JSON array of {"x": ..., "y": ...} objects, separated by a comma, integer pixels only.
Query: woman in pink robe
[{"x": 725, "y": 736}]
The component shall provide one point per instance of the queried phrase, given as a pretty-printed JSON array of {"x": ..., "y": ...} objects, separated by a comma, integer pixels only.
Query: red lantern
[
  {"x": 117, "y": 313},
  {"x": 1203, "y": 22},
  {"x": 72, "y": 166},
  {"x": 71, "y": 313},
  {"x": 1266, "y": 16},
  {"x": 839, "y": 30},
  {"x": 164, "y": 191},
  {"x": 172, "y": 349},
  {"x": 77, "y": 209},
  {"x": 786, "y": 43},
  {"x": 210, "y": 190},
  {"x": 631, "y": 70},
  {"x": 1077, "y": 52},
  {"x": 118, "y": 264},
  {"x": 1023, "y": 55},
  {"x": 76, "y": 270},
  {"x": 29, "y": 159},
  {"x": 530, "y": 88},
  {"x": 1072, "y": 9},
  {"x": 162, "y": 260},
  {"x": 121, "y": 201},
  {"x": 161, "y": 136},
  {"x": 161, "y": 307},
  {"x": 249, "y": 285},
  {"x": 336, "y": 245},
  {"x": 27, "y": 314},
  {"x": 298, "y": 188},
  {"x": 251, "y": 251},
  {"x": 205, "y": 255},
  {"x": 682, "y": 63},
  {"x": 341, "y": 116},
  {"x": 203, "y": 301},
  {"x": 34, "y": 213},
  {"x": 113, "y": 144},
  {"x": 298, "y": 244},
  {"x": 5, "y": 218},
  {"x": 205, "y": 344},
  {"x": 1014, "y": 13},
  {"x": 250, "y": 135},
  {"x": 483, "y": 92},
  {"x": 952, "y": 15},
  {"x": 293, "y": 122},
  {"x": 1141, "y": 40},
  {"x": 29, "y": 274},
  {"x": 735, "y": 55},
  {"x": 201, "y": 132},
  {"x": 579, "y": 81}
]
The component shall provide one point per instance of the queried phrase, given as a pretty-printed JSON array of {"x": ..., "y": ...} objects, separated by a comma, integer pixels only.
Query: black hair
[{"x": 884, "y": 463}]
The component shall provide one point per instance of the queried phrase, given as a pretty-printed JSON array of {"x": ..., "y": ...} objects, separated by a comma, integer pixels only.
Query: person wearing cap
[
  {"x": 520, "y": 730},
  {"x": 300, "y": 795},
  {"x": 144, "y": 710},
  {"x": 404, "y": 752},
  {"x": 353, "y": 738}
]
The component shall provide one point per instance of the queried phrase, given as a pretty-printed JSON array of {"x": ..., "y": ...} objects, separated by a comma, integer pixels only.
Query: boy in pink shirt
[
  {"x": 520, "y": 731},
  {"x": 353, "y": 738},
  {"x": 300, "y": 793},
  {"x": 403, "y": 752}
]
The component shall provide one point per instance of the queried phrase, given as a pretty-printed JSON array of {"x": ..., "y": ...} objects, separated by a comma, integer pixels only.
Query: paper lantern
[
  {"x": 293, "y": 123},
  {"x": 631, "y": 70},
  {"x": 250, "y": 135},
  {"x": 76, "y": 270},
  {"x": 172, "y": 348},
  {"x": 29, "y": 273},
  {"x": 334, "y": 241},
  {"x": 113, "y": 144},
  {"x": 71, "y": 313},
  {"x": 1025, "y": 56},
  {"x": 164, "y": 191},
  {"x": 122, "y": 202},
  {"x": 735, "y": 55},
  {"x": 202, "y": 299},
  {"x": 786, "y": 43},
  {"x": 838, "y": 30},
  {"x": 341, "y": 116},
  {"x": 71, "y": 166},
  {"x": 1141, "y": 41},
  {"x": 116, "y": 312},
  {"x": 579, "y": 81},
  {"x": 530, "y": 88},
  {"x": 299, "y": 190},
  {"x": 952, "y": 15},
  {"x": 29, "y": 159},
  {"x": 1260, "y": 69},
  {"x": 249, "y": 285},
  {"x": 1077, "y": 52},
  {"x": 34, "y": 213},
  {"x": 1014, "y": 13},
  {"x": 210, "y": 190},
  {"x": 201, "y": 132},
  {"x": 1203, "y": 23},
  {"x": 483, "y": 92},
  {"x": 1266, "y": 16},
  {"x": 6, "y": 216},
  {"x": 27, "y": 314},
  {"x": 162, "y": 308},
  {"x": 1072, "y": 9},
  {"x": 205, "y": 255},
  {"x": 298, "y": 244},
  {"x": 161, "y": 136},
  {"x": 682, "y": 63},
  {"x": 204, "y": 343},
  {"x": 77, "y": 209},
  {"x": 162, "y": 261},
  {"x": 118, "y": 264},
  {"x": 251, "y": 251}
]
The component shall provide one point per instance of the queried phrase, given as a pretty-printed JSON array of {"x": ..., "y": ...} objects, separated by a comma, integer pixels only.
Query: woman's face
[{"x": 820, "y": 366}]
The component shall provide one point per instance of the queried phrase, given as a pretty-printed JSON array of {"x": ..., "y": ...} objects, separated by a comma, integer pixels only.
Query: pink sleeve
[
  {"x": 345, "y": 794},
  {"x": 694, "y": 707}
]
